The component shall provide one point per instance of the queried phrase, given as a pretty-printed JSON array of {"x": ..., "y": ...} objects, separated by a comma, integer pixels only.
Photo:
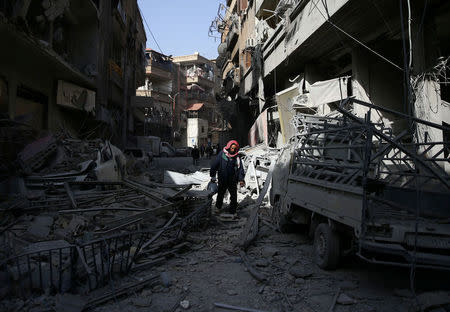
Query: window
[{"x": 203, "y": 129}]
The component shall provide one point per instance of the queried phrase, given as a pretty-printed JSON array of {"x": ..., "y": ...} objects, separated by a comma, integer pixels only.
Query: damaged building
[
  {"x": 71, "y": 66},
  {"x": 199, "y": 91},
  {"x": 153, "y": 104},
  {"x": 276, "y": 55},
  {"x": 177, "y": 101}
]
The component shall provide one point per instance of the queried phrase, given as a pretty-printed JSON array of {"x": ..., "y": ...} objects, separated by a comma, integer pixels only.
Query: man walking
[
  {"x": 228, "y": 166},
  {"x": 195, "y": 155}
]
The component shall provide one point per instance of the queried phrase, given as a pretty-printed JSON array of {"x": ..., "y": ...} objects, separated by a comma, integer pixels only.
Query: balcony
[
  {"x": 157, "y": 96},
  {"x": 200, "y": 97},
  {"x": 159, "y": 70},
  {"x": 315, "y": 33},
  {"x": 201, "y": 81}
]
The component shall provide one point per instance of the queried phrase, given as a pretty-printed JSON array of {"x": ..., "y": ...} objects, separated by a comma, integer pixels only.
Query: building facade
[
  {"x": 153, "y": 109},
  {"x": 196, "y": 108},
  {"x": 71, "y": 65},
  {"x": 274, "y": 53}
]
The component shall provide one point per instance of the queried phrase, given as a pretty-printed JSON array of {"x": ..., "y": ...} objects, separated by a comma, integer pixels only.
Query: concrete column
[{"x": 428, "y": 104}]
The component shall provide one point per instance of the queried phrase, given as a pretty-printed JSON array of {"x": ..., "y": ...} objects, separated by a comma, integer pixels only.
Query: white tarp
[{"x": 328, "y": 91}]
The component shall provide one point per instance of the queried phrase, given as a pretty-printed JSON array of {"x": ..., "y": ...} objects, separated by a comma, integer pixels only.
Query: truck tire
[
  {"x": 326, "y": 247},
  {"x": 164, "y": 154}
]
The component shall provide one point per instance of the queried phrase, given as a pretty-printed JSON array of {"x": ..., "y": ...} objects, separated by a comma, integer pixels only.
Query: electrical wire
[
  {"x": 356, "y": 40},
  {"x": 150, "y": 31}
]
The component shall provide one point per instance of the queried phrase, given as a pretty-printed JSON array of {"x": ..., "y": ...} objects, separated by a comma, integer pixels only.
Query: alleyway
[{"x": 225, "y": 155}]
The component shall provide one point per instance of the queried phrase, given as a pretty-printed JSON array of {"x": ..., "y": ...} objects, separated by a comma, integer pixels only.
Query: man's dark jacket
[{"x": 229, "y": 170}]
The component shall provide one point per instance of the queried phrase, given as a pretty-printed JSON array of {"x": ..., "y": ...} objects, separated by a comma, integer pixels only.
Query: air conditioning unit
[{"x": 250, "y": 42}]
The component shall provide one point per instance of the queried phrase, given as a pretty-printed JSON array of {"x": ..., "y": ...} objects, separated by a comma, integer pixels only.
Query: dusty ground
[{"x": 212, "y": 272}]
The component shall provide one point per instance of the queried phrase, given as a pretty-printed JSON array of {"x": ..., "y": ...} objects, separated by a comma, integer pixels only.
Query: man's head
[{"x": 232, "y": 148}]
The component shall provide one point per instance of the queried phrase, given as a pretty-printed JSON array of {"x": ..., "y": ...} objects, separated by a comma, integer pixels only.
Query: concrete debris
[
  {"x": 269, "y": 251},
  {"x": 83, "y": 220},
  {"x": 345, "y": 299},
  {"x": 300, "y": 272},
  {"x": 432, "y": 300},
  {"x": 165, "y": 279},
  {"x": 231, "y": 292},
  {"x": 185, "y": 304},
  {"x": 70, "y": 303},
  {"x": 142, "y": 302}
]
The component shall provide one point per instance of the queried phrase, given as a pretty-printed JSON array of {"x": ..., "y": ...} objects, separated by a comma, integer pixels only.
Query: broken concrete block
[
  {"x": 165, "y": 279},
  {"x": 344, "y": 299},
  {"x": 269, "y": 251},
  {"x": 300, "y": 272},
  {"x": 185, "y": 304},
  {"x": 231, "y": 292},
  {"x": 261, "y": 263},
  {"x": 142, "y": 302}
]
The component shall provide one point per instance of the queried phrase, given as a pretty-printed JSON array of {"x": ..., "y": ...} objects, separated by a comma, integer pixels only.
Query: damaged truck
[{"x": 361, "y": 188}]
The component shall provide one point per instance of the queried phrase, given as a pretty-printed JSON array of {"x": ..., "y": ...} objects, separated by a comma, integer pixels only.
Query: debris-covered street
[{"x": 292, "y": 156}]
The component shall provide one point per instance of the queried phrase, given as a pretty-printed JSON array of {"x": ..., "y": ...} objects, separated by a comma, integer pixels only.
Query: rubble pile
[
  {"x": 257, "y": 161},
  {"x": 79, "y": 222}
]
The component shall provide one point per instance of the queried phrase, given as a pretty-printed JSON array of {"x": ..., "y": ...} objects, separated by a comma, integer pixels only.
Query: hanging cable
[
  {"x": 409, "y": 34},
  {"x": 150, "y": 31},
  {"x": 356, "y": 40}
]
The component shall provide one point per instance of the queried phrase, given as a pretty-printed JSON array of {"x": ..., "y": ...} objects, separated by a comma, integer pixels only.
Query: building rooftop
[{"x": 191, "y": 59}]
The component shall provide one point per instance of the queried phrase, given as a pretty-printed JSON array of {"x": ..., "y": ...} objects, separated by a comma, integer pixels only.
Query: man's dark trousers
[{"x": 232, "y": 188}]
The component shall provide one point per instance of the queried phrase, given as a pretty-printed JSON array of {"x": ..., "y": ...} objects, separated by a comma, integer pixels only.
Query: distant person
[
  {"x": 209, "y": 151},
  {"x": 195, "y": 155},
  {"x": 202, "y": 150},
  {"x": 230, "y": 171}
]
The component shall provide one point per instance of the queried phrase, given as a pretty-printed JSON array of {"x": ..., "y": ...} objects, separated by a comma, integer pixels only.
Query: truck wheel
[
  {"x": 326, "y": 247},
  {"x": 278, "y": 218},
  {"x": 164, "y": 155}
]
